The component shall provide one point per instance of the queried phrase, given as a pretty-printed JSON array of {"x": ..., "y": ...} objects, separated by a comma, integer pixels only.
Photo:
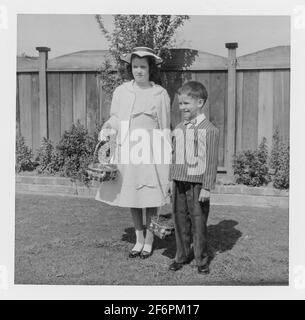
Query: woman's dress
[{"x": 141, "y": 183}]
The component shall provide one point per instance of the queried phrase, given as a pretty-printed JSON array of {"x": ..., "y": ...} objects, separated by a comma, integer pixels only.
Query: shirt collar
[{"x": 196, "y": 121}]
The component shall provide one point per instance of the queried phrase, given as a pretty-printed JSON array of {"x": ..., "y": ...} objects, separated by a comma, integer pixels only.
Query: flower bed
[{"x": 75, "y": 151}]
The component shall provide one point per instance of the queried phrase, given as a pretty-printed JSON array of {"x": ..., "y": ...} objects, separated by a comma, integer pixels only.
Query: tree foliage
[{"x": 154, "y": 31}]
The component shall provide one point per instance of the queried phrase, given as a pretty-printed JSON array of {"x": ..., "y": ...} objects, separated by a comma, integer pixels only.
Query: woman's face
[{"x": 140, "y": 69}]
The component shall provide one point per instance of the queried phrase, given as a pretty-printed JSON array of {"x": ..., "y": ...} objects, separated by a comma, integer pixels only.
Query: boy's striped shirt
[{"x": 195, "y": 153}]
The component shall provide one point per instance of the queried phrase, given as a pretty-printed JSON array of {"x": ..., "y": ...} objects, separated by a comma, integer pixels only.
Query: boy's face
[{"x": 190, "y": 107}]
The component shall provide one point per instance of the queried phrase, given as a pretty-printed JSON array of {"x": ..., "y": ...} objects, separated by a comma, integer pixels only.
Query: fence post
[
  {"x": 230, "y": 145},
  {"x": 43, "y": 105}
]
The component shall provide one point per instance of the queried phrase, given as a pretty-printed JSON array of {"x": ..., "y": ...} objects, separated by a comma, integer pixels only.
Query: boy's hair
[{"x": 194, "y": 89}]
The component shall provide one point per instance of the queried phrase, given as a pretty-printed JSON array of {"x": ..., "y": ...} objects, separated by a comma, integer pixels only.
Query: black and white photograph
[{"x": 152, "y": 149}]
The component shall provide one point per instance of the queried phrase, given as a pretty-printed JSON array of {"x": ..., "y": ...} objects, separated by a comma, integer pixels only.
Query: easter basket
[
  {"x": 162, "y": 225},
  {"x": 102, "y": 169}
]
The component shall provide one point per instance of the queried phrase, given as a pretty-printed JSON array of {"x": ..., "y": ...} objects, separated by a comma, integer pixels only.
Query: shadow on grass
[{"x": 221, "y": 237}]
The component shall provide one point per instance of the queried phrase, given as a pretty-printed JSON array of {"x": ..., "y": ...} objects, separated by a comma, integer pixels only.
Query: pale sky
[{"x": 65, "y": 34}]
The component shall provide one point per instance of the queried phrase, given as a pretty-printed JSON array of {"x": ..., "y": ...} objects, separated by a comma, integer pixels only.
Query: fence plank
[
  {"x": 176, "y": 116},
  {"x": 204, "y": 78},
  {"x": 25, "y": 92},
  {"x": 105, "y": 103},
  {"x": 100, "y": 100},
  {"x": 79, "y": 98},
  {"x": 265, "y": 107},
  {"x": 172, "y": 81},
  {"x": 217, "y": 110},
  {"x": 35, "y": 113},
  {"x": 278, "y": 112},
  {"x": 17, "y": 106},
  {"x": 250, "y": 110},
  {"x": 281, "y": 102},
  {"x": 66, "y": 101},
  {"x": 239, "y": 110},
  {"x": 278, "y": 100},
  {"x": 54, "y": 117},
  {"x": 286, "y": 115},
  {"x": 227, "y": 156},
  {"x": 271, "y": 58},
  {"x": 92, "y": 102}
]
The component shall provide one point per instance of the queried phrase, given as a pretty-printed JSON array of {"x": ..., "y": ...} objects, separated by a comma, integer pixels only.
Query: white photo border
[{"x": 8, "y": 49}]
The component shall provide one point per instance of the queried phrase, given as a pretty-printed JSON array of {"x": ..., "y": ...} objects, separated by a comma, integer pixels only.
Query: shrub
[
  {"x": 24, "y": 156},
  {"x": 48, "y": 158},
  {"x": 69, "y": 158},
  {"x": 251, "y": 166},
  {"x": 76, "y": 149},
  {"x": 279, "y": 162}
]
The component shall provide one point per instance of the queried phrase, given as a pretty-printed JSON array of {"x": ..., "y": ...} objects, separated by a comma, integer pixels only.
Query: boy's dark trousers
[{"x": 190, "y": 216}]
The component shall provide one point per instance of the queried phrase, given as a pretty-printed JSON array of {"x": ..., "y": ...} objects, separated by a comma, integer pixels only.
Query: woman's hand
[
  {"x": 169, "y": 189},
  {"x": 106, "y": 131}
]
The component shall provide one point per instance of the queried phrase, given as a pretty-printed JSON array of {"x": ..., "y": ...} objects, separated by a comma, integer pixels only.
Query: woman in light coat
[{"x": 140, "y": 112}]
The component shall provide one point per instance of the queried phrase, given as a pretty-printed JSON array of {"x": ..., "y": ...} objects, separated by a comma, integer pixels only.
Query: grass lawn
[{"x": 66, "y": 240}]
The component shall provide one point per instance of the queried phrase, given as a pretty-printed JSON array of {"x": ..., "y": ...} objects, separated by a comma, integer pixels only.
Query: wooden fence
[{"x": 248, "y": 96}]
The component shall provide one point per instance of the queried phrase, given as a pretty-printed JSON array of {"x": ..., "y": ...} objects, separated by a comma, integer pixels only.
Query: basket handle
[{"x": 99, "y": 144}]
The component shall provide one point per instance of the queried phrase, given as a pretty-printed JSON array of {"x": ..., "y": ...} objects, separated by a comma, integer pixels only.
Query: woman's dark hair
[{"x": 154, "y": 71}]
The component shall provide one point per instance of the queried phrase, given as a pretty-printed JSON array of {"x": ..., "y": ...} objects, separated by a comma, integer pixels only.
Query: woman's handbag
[{"x": 103, "y": 170}]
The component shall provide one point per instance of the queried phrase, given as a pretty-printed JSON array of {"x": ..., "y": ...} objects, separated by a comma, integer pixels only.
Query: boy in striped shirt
[{"x": 193, "y": 175}]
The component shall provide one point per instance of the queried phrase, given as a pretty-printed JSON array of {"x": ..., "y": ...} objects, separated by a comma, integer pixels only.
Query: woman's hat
[{"x": 141, "y": 52}]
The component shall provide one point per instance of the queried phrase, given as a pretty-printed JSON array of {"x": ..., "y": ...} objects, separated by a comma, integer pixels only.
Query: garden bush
[
  {"x": 24, "y": 156},
  {"x": 251, "y": 166},
  {"x": 279, "y": 162},
  {"x": 48, "y": 159},
  {"x": 69, "y": 158},
  {"x": 75, "y": 151}
]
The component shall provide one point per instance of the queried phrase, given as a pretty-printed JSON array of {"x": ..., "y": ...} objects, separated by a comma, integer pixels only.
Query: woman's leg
[
  {"x": 149, "y": 213},
  {"x": 137, "y": 217},
  {"x": 149, "y": 238}
]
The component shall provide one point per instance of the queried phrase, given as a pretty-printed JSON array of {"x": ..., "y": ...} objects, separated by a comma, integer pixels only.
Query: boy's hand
[{"x": 204, "y": 195}]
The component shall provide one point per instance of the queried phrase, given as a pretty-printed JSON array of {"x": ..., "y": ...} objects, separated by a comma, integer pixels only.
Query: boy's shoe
[
  {"x": 204, "y": 269},
  {"x": 175, "y": 266}
]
